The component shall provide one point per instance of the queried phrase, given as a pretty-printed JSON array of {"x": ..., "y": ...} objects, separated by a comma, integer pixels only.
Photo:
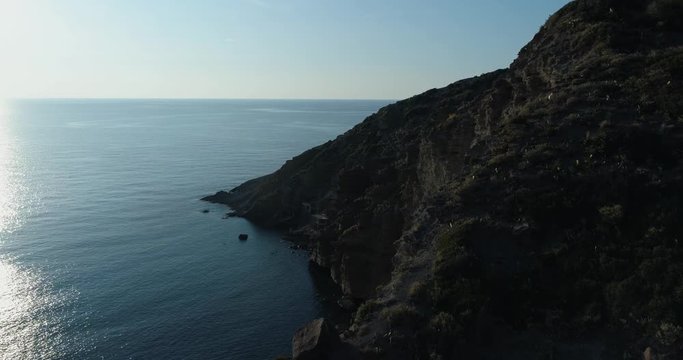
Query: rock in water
[
  {"x": 315, "y": 341},
  {"x": 243, "y": 237}
]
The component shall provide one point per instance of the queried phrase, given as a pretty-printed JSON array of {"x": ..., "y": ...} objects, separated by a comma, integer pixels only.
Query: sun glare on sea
[
  {"x": 9, "y": 185},
  {"x": 28, "y": 328},
  {"x": 16, "y": 302}
]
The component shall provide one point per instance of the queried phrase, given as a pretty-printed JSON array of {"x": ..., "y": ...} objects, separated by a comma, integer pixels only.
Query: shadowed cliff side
[{"x": 532, "y": 212}]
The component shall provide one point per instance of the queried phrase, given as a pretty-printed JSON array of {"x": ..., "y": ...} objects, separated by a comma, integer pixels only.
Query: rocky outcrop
[
  {"x": 532, "y": 212},
  {"x": 318, "y": 340},
  {"x": 315, "y": 341}
]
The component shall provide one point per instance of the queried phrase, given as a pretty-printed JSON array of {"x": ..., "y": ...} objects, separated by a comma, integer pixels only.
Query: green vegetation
[
  {"x": 365, "y": 310},
  {"x": 418, "y": 291},
  {"x": 667, "y": 11},
  {"x": 401, "y": 315},
  {"x": 611, "y": 214}
]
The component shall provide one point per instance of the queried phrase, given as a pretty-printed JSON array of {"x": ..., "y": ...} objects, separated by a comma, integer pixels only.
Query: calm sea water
[{"x": 105, "y": 251}]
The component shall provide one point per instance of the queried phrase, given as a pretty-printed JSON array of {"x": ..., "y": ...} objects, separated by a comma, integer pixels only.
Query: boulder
[
  {"x": 315, "y": 341},
  {"x": 649, "y": 354}
]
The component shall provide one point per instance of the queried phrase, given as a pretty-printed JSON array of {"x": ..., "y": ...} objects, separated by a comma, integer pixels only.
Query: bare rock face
[
  {"x": 648, "y": 354},
  {"x": 316, "y": 340},
  {"x": 532, "y": 212}
]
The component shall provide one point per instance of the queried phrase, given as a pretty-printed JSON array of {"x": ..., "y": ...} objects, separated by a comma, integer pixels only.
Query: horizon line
[{"x": 196, "y": 98}]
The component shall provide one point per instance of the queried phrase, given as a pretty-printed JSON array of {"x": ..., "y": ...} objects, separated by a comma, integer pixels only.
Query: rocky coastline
[{"x": 528, "y": 213}]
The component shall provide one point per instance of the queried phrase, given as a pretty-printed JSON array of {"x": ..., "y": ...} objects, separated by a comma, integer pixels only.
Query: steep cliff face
[{"x": 532, "y": 212}]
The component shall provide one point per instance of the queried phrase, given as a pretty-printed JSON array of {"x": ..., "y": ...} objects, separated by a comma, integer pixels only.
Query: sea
[{"x": 106, "y": 251}]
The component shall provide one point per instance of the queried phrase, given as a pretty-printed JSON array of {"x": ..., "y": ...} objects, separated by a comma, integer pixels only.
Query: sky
[{"x": 305, "y": 49}]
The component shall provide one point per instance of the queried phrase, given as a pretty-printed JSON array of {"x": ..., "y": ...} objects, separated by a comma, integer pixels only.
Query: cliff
[{"x": 532, "y": 212}]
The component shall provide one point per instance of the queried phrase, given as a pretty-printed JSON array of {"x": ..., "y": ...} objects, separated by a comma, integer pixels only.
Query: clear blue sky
[{"x": 381, "y": 49}]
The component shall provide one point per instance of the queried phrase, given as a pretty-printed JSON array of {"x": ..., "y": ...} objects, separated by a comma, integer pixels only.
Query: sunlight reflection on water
[
  {"x": 10, "y": 185},
  {"x": 28, "y": 327},
  {"x": 29, "y": 308}
]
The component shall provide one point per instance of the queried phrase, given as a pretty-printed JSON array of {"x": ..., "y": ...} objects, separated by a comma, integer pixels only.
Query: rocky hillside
[{"x": 533, "y": 212}]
